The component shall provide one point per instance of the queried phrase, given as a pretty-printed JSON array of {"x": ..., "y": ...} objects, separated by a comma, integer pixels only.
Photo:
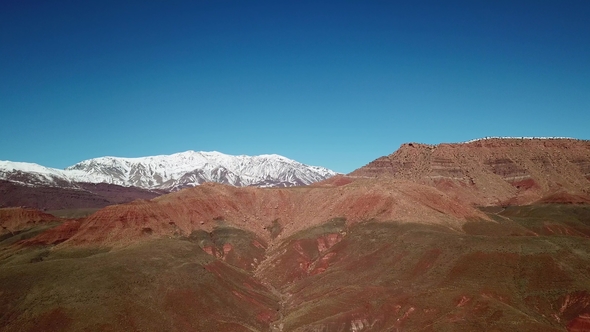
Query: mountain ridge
[
  {"x": 171, "y": 172},
  {"x": 492, "y": 171},
  {"x": 402, "y": 245}
]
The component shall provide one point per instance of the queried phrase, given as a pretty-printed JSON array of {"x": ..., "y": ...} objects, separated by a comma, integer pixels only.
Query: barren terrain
[{"x": 471, "y": 246}]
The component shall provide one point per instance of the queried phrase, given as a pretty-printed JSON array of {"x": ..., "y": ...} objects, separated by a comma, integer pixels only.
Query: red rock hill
[
  {"x": 493, "y": 171},
  {"x": 16, "y": 219},
  {"x": 268, "y": 212}
]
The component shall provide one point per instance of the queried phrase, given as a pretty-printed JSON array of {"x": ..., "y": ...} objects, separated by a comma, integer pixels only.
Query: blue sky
[{"x": 329, "y": 83}]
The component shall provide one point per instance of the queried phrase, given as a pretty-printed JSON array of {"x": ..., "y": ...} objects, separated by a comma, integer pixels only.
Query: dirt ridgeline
[
  {"x": 269, "y": 213},
  {"x": 17, "y": 218}
]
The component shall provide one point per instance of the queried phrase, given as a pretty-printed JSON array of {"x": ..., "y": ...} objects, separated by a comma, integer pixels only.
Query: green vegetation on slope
[{"x": 527, "y": 271}]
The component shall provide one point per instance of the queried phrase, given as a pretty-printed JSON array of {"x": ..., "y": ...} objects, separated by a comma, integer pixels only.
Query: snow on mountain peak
[
  {"x": 34, "y": 174},
  {"x": 191, "y": 168},
  {"x": 171, "y": 172}
]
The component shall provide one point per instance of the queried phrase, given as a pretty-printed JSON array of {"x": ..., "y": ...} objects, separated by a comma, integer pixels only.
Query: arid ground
[{"x": 488, "y": 237}]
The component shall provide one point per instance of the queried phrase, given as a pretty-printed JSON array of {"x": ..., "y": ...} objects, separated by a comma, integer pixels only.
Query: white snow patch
[{"x": 179, "y": 170}]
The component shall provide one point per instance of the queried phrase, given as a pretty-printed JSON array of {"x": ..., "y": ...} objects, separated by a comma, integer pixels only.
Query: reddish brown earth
[
  {"x": 16, "y": 219},
  {"x": 427, "y": 239},
  {"x": 388, "y": 276},
  {"x": 492, "y": 171},
  {"x": 501, "y": 274},
  {"x": 257, "y": 210}
]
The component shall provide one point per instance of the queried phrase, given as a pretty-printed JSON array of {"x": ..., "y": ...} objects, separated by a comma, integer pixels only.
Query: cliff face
[{"x": 492, "y": 171}]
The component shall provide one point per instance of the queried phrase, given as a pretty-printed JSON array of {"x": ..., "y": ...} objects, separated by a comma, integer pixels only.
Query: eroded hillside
[
  {"x": 492, "y": 171},
  {"x": 524, "y": 268},
  {"x": 432, "y": 245}
]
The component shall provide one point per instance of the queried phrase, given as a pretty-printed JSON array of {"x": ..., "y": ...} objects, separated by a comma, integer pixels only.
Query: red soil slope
[
  {"x": 525, "y": 269},
  {"x": 269, "y": 212},
  {"x": 492, "y": 171},
  {"x": 16, "y": 219}
]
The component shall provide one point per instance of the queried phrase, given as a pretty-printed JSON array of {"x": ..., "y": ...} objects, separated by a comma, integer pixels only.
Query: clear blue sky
[{"x": 329, "y": 83}]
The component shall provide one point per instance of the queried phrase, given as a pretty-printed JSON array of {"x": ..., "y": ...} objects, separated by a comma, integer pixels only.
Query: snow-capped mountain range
[{"x": 171, "y": 172}]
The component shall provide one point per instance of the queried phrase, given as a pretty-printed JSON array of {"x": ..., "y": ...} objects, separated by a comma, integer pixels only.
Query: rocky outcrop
[{"x": 492, "y": 171}]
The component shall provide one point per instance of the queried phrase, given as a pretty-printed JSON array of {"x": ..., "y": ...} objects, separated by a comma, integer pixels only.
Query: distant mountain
[
  {"x": 34, "y": 175},
  {"x": 170, "y": 172},
  {"x": 190, "y": 168},
  {"x": 82, "y": 196}
]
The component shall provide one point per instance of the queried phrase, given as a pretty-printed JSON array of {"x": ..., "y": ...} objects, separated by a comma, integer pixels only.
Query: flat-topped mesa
[
  {"x": 524, "y": 141},
  {"x": 495, "y": 170},
  {"x": 520, "y": 138}
]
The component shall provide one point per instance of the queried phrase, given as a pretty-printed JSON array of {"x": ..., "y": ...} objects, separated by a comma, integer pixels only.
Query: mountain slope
[
  {"x": 492, "y": 171},
  {"x": 85, "y": 195},
  {"x": 398, "y": 248},
  {"x": 35, "y": 175},
  {"x": 170, "y": 172},
  {"x": 190, "y": 168},
  {"x": 260, "y": 210},
  {"x": 191, "y": 262}
]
